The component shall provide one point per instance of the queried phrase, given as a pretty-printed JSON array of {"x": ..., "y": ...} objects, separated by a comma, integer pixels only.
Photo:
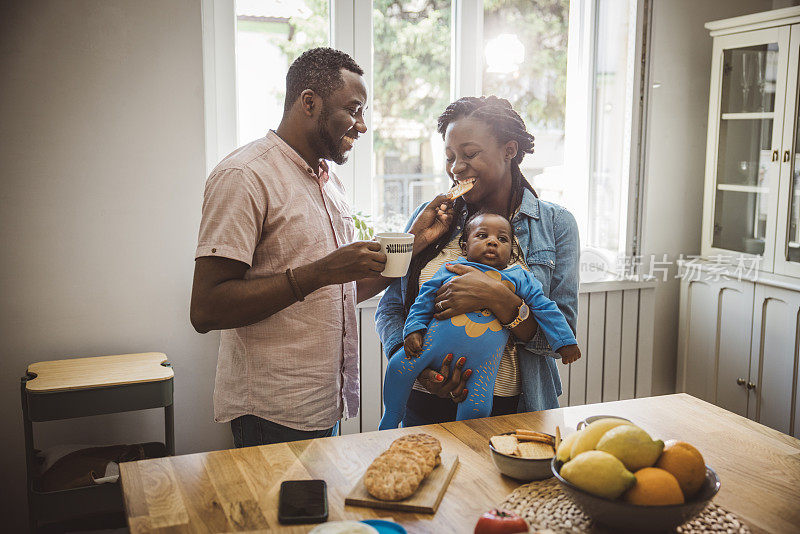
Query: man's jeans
[{"x": 249, "y": 430}]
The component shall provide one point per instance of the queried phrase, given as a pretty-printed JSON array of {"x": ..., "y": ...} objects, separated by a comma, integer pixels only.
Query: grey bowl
[
  {"x": 524, "y": 469},
  {"x": 633, "y": 517}
]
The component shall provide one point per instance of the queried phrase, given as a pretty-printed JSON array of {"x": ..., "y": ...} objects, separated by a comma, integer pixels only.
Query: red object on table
[{"x": 500, "y": 522}]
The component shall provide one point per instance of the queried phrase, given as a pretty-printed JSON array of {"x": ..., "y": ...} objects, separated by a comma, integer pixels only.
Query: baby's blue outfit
[{"x": 478, "y": 336}]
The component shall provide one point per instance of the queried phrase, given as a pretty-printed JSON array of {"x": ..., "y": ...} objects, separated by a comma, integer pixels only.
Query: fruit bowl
[
  {"x": 523, "y": 469},
  {"x": 633, "y": 517}
]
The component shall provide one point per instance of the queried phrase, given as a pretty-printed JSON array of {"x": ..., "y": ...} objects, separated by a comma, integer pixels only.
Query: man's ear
[
  {"x": 309, "y": 102},
  {"x": 511, "y": 149}
]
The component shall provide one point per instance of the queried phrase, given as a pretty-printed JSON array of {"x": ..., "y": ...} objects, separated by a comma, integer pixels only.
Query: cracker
[
  {"x": 460, "y": 188},
  {"x": 505, "y": 444},
  {"x": 535, "y": 449},
  {"x": 530, "y": 437}
]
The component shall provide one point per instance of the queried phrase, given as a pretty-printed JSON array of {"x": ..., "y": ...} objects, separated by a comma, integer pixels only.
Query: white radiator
[{"x": 615, "y": 334}]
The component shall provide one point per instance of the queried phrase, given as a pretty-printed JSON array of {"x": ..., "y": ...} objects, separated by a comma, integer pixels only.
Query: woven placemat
[{"x": 545, "y": 506}]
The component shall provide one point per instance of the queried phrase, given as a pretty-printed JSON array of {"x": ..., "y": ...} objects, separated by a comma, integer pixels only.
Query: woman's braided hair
[{"x": 507, "y": 125}]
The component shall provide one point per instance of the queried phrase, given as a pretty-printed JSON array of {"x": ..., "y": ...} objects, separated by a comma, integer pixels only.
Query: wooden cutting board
[{"x": 425, "y": 500}]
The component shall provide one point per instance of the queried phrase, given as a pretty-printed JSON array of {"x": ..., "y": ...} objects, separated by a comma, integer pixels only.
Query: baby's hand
[
  {"x": 569, "y": 353},
  {"x": 413, "y": 345}
]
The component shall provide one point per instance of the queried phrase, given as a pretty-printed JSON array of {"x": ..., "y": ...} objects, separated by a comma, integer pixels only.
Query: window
[
  {"x": 525, "y": 46},
  {"x": 569, "y": 67},
  {"x": 269, "y": 35},
  {"x": 411, "y": 87}
]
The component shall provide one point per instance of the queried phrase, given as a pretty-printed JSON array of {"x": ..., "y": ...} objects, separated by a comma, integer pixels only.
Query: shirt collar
[
  {"x": 529, "y": 205},
  {"x": 321, "y": 175}
]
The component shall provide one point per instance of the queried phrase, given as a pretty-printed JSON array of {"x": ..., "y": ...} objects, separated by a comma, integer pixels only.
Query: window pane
[
  {"x": 610, "y": 151},
  {"x": 525, "y": 47},
  {"x": 270, "y": 34},
  {"x": 526, "y": 62},
  {"x": 411, "y": 88}
]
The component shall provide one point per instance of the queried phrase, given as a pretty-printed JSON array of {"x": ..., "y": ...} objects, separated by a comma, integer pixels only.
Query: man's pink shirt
[{"x": 264, "y": 206}]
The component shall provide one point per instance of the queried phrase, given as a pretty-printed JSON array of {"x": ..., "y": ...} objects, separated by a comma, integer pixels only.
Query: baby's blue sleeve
[
  {"x": 551, "y": 321},
  {"x": 421, "y": 312}
]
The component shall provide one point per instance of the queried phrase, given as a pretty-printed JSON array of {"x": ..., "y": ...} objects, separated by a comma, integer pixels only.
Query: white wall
[
  {"x": 102, "y": 151},
  {"x": 676, "y": 142}
]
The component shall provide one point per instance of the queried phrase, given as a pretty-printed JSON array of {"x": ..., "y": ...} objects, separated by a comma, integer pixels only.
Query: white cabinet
[
  {"x": 739, "y": 335},
  {"x": 773, "y": 365},
  {"x": 751, "y": 203},
  {"x": 738, "y": 345},
  {"x": 714, "y": 341}
]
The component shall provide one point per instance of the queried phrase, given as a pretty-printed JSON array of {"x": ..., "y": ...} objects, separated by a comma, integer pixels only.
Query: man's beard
[{"x": 332, "y": 150}]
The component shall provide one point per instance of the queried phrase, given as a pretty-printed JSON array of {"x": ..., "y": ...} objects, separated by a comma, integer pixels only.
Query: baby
[{"x": 478, "y": 336}]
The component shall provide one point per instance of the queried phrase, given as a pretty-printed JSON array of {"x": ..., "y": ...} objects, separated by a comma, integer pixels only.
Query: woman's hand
[
  {"x": 472, "y": 290},
  {"x": 432, "y": 222},
  {"x": 444, "y": 384}
]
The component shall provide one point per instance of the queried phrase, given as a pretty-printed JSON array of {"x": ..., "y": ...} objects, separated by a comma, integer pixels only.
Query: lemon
[
  {"x": 599, "y": 473},
  {"x": 566, "y": 447},
  {"x": 632, "y": 446},
  {"x": 588, "y": 437}
]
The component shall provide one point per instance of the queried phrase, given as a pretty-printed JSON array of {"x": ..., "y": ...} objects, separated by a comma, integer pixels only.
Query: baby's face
[{"x": 489, "y": 241}]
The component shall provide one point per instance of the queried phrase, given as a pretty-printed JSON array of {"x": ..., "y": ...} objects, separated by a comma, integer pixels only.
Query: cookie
[
  {"x": 423, "y": 439},
  {"x": 394, "y": 475},
  {"x": 426, "y": 454}
]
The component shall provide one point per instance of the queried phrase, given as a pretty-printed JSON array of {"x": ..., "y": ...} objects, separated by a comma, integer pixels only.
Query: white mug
[{"x": 398, "y": 247}]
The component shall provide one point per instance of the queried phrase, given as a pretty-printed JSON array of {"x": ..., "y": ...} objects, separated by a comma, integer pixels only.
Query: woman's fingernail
[
  {"x": 465, "y": 391},
  {"x": 448, "y": 358},
  {"x": 462, "y": 361},
  {"x": 439, "y": 378},
  {"x": 468, "y": 373}
]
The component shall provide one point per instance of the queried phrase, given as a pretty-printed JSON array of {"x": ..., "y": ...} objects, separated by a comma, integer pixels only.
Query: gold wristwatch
[{"x": 522, "y": 314}]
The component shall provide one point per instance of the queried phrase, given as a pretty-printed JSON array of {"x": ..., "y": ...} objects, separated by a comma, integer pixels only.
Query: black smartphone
[{"x": 303, "y": 501}]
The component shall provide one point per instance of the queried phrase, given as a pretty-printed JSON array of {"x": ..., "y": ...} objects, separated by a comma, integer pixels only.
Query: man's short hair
[{"x": 318, "y": 69}]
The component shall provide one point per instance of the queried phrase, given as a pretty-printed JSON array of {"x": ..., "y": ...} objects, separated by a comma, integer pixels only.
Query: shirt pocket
[
  {"x": 542, "y": 263},
  {"x": 543, "y": 257}
]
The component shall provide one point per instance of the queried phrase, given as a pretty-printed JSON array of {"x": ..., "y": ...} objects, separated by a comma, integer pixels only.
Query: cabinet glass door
[
  {"x": 787, "y": 244},
  {"x": 745, "y": 181}
]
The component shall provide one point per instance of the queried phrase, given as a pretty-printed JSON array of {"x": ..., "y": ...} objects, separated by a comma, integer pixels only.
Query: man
[{"x": 275, "y": 264}]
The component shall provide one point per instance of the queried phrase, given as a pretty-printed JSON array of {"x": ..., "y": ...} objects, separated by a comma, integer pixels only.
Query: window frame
[{"x": 219, "y": 67}]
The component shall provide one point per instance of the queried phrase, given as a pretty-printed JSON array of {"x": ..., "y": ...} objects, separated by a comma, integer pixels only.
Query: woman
[{"x": 486, "y": 139}]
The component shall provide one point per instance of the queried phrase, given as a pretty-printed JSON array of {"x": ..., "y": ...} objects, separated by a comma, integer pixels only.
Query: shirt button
[
  {"x": 213, "y": 251},
  {"x": 344, "y": 332},
  {"x": 345, "y": 297}
]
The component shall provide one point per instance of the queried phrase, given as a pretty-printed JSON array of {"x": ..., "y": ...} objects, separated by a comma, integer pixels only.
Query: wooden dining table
[{"x": 237, "y": 489}]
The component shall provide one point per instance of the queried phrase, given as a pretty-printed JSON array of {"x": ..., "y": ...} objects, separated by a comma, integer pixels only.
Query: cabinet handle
[
  {"x": 786, "y": 156},
  {"x": 775, "y": 155},
  {"x": 741, "y": 381},
  {"x": 750, "y": 385}
]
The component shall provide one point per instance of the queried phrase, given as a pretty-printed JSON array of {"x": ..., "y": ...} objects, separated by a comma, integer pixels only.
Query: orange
[
  {"x": 654, "y": 487},
  {"x": 685, "y": 463}
]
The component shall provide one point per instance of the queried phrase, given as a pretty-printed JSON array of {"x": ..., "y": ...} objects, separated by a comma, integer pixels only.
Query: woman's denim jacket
[{"x": 548, "y": 237}]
